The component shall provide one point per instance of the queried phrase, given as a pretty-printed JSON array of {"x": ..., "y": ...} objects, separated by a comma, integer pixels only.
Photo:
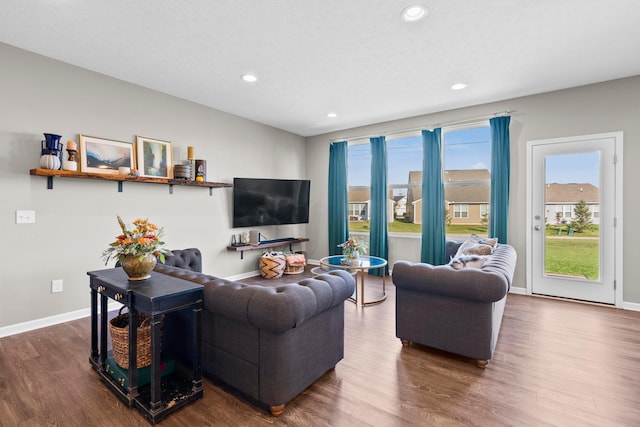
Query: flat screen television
[{"x": 259, "y": 201}]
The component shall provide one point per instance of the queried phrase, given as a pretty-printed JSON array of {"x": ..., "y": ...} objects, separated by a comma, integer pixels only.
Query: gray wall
[
  {"x": 605, "y": 107},
  {"x": 76, "y": 220}
]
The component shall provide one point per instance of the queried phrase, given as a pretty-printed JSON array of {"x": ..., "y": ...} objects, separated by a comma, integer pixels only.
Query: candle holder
[{"x": 72, "y": 163}]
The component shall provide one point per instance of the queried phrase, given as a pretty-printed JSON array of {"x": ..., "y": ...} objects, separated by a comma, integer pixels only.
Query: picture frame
[
  {"x": 155, "y": 157},
  {"x": 105, "y": 156}
]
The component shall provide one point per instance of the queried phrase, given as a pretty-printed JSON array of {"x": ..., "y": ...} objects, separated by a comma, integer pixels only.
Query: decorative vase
[
  {"x": 352, "y": 258},
  {"x": 50, "y": 161},
  {"x": 138, "y": 267},
  {"x": 51, "y": 153}
]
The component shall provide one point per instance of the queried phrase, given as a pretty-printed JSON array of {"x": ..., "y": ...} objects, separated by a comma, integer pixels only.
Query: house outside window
[
  {"x": 358, "y": 212},
  {"x": 561, "y": 201}
]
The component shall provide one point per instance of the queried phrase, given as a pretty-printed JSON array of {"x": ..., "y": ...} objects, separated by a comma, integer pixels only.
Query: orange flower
[{"x": 144, "y": 238}]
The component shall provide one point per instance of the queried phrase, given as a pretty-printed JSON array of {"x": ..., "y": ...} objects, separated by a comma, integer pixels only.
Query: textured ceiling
[{"x": 356, "y": 58}]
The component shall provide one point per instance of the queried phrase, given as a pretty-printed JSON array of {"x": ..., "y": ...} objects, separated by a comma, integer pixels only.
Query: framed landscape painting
[
  {"x": 155, "y": 157},
  {"x": 105, "y": 156}
]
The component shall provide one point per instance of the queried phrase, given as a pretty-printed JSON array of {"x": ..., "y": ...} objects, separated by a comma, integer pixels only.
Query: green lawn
[
  {"x": 572, "y": 257},
  {"x": 567, "y": 256},
  {"x": 592, "y": 231},
  {"x": 407, "y": 227}
]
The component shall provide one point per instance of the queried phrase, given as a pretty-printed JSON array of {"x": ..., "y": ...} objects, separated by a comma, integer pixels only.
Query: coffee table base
[{"x": 360, "y": 302}]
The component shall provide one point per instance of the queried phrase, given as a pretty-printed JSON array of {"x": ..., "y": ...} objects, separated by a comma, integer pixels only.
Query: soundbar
[{"x": 284, "y": 239}]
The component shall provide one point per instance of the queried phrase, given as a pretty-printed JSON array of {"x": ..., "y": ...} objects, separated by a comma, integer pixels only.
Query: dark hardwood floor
[{"x": 557, "y": 363}]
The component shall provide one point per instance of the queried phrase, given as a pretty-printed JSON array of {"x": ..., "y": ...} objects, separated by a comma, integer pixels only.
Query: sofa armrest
[{"x": 470, "y": 284}]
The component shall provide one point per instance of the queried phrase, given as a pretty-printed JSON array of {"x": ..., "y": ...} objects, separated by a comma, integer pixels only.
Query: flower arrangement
[
  {"x": 353, "y": 247},
  {"x": 142, "y": 240}
]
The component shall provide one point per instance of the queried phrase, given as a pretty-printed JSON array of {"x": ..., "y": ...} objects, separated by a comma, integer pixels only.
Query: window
[
  {"x": 358, "y": 212},
  {"x": 484, "y": 213},
  {"x": 359, "y": 180},
  {"x": 466, "y": 177},
  {"x": 461, "y": 211},
  {"x": 467, "y": 180},
  {"x": 404, "y": 179}
]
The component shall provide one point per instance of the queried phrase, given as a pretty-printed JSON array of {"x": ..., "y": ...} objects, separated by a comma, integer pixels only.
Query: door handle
[{"x": 537, "y": 228}]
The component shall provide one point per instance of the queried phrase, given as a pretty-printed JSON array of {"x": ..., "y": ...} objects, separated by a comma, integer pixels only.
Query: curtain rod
[{"x": 398, "y": 132}]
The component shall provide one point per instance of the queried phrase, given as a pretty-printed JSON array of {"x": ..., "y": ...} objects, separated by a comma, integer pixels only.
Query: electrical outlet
[
  {"x": 25, "y": 217},
  {"x": 56, "y": 286}
]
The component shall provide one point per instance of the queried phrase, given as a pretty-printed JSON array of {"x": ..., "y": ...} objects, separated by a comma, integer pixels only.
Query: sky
[
  {"x": 463, "y": 149},
  {"x": 579, "y": 168}
]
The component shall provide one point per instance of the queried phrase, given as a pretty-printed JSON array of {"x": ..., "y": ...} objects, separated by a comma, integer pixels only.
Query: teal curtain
[
  {"x": 378, "y": 237},
  {"x": 433, "y": 217},
  {"x": 500, "y": 170},
  {"x": 338, "y": 201}
]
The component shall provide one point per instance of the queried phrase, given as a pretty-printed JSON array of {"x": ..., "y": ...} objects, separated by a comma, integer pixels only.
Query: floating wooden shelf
[
  {"x": 50, "y": 174},
  {"x": 266, "y": 244}
]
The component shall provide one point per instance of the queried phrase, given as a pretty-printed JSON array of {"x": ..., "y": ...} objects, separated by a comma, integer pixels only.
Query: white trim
[
  {"x": 517, "y": 290},
  {"x": 631, "y": 306},
  {"x": 44, "y": 322},
  {"x": 241, "y": 276}
]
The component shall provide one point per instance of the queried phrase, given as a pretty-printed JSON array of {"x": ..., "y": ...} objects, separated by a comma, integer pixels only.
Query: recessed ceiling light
[
  {"x": 332, "y": 115},
  {"x": 250, "y": 78},
  {"x": 414, "y": 13},
  {"x": 458, "y": 86}
]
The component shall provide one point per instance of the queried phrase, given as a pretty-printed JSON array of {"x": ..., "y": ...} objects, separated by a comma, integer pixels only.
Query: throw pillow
[
  {"x": 472, "y": 261},
  {"x": 472, "y": 247},
  {"x": 491, "y": 242}
]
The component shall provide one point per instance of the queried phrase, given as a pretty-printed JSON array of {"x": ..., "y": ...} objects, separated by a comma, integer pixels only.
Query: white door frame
[{"x": 618, "y": 220}]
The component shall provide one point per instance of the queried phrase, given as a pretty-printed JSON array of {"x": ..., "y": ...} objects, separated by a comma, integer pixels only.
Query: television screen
[{"x": 270, "y": 201}]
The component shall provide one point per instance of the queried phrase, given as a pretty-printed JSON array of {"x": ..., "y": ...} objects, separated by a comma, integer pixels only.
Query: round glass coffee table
[{"x": 365, "y": 263}]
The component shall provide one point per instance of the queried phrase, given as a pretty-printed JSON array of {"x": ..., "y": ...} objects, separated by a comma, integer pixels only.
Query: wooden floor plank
[{"x": 557, "y": 363}]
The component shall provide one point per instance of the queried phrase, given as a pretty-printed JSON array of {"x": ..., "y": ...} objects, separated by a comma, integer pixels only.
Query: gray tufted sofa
[
  {"x": 268, "y": 342},
  {"x": 459, "y": 311}
]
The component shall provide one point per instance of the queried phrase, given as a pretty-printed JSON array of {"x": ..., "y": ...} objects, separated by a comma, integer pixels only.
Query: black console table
[{"x": 164, "y": 299}]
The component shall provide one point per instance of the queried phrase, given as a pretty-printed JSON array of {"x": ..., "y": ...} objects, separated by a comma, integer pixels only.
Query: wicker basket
[
  {"x": 293, "y": 269},
  {"x": 272, "y": 265},
  {"x": 119, "y": 328}
]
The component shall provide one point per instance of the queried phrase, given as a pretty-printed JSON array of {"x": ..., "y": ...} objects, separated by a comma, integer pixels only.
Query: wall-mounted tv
[{"x": 259, "y": 201}]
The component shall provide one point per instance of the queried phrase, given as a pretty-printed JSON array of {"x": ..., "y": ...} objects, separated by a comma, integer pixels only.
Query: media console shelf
[
  {"x": 266, "y": 244},
  {"x": 50, "y": 173}
]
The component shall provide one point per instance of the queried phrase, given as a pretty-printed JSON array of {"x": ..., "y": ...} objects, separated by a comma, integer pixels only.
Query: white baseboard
[
  {"x": 517, "y": 290},
  {"x": 632, "y": 306},
  {"x": 31, "y": 325},
  {"x": 243, "y": 275}
]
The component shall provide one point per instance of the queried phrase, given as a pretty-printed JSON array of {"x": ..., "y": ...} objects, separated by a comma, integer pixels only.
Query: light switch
[{"x": 25, "y": 217}]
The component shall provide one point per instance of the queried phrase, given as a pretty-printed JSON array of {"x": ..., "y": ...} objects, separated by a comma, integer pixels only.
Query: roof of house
[
  {"x": 362, "y": 195},
  {"x": 460, "y": 186},
  {"x": 571, "y": 193},
  {"x": 474, "y": 186},
  {"x": 462, "y": 175},
  {"x": 470, "y": 192}
]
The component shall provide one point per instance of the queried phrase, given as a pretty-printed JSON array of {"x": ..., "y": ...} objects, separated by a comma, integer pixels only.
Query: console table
[{"x": 160, "y": 297}]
